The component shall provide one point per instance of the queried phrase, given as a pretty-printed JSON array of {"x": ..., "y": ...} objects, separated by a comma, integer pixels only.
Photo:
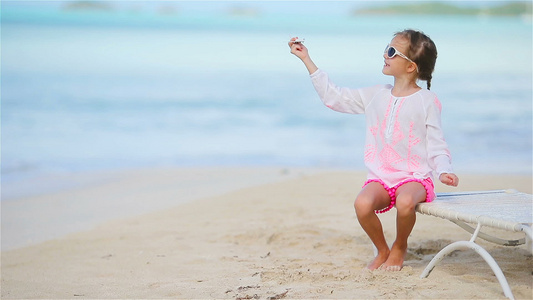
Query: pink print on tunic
[
  {"x": 370, "y": 153},
  {"x": 391, "y": 134},
  {"x": 389, "y": 158},
  {"x": 438, "y": 104},
  {"x": 371, "y": 149},
  {"x": 413, "y": 160}
]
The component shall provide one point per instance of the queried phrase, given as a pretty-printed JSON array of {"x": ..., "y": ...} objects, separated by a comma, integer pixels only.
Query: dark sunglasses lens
[{"x": 391, "y": 52}]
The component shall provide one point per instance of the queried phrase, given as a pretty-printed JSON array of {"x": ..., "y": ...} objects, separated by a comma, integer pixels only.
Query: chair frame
[{"x": 461, "y": 219}]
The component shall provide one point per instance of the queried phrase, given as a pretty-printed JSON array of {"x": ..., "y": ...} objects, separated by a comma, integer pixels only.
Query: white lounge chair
[{"x": 504, "y": 209}]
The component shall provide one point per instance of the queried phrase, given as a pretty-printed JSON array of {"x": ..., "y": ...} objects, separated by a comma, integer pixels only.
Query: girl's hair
[{"x": 422, "y": 51}]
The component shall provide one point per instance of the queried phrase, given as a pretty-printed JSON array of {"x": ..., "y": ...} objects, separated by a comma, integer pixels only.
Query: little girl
[{"x": 404, "y": 139}]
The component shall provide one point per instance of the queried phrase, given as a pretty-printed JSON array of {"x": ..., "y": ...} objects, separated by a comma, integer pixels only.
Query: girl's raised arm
[{"x": 302, "y": 53}]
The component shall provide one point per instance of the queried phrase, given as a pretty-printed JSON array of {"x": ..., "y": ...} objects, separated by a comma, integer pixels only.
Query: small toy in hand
[{"x": 299, "y": 41}]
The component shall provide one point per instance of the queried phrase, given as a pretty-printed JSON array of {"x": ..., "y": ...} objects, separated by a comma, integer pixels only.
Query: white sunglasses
[{"x": 392, "y": 52}]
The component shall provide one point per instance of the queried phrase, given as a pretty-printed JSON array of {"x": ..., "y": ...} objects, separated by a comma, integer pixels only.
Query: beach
[
  {"x": 242, "y": 233},
  {"x": 177, "y": 150}
]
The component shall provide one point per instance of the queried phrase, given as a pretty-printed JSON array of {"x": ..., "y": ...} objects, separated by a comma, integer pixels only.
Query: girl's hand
[
  {"x": 449, "y": 179},
  {"x": 301, "y": 52},
  {"x": 298, "y": 49}
]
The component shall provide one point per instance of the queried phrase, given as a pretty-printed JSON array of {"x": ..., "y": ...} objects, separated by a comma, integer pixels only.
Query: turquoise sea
[{"x": 92, "y": 90}]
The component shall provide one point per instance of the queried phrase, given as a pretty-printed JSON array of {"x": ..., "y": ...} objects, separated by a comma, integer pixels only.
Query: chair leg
[
  {"x": 529, "y": 237},
  {"x": 482, "y": 252}
]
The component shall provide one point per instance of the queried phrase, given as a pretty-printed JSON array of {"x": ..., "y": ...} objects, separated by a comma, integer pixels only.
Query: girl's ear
[{"x": 411, "y": 68}]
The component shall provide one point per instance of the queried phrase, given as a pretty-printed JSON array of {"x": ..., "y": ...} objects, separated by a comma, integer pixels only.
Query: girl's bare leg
[
  {"x": 407, "y": 196},
  {"x": 371, "y": 198}
]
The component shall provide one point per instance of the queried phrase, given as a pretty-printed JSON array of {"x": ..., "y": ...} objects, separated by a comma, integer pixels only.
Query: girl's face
[{"x": 398, "y": 65}]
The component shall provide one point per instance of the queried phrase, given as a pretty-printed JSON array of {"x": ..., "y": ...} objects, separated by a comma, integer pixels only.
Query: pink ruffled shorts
[{"x": 427, "y": 183}]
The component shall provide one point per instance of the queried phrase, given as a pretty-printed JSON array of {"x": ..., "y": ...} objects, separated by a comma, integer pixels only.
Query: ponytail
[
  {"x": 428, "y": 82},
  {"x": 422, "y": 51}
]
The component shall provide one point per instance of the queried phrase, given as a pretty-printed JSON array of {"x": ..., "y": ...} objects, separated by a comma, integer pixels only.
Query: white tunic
[{"x": 404, "y": 137}]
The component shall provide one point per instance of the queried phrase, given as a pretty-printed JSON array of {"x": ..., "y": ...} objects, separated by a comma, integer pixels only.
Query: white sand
[
  {"x": 296, "y": 238},
  {"x": 44, "y": 208}
]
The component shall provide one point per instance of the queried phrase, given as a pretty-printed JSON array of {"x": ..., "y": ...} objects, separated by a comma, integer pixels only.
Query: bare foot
[
  {"x": 379, "y": 260},
  {"x": 395, "y": 260}
]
